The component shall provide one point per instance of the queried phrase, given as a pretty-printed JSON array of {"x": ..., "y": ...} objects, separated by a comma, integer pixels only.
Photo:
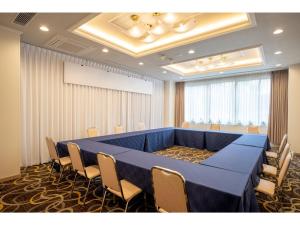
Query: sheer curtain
[
  {"x": 236, "y": 100},
  {"x": 64, "y": 111}
]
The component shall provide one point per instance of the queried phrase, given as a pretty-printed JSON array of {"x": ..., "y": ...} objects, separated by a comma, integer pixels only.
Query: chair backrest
[
  {"x": 283, "y": 155},
  {"x": 283, "y": 143},
  {"x": 92, "y": 132},
  {"x": 215, "y": 127},
  {"x": 284, "y": 169},
  {"x": 119, "y": 129},
  {"x": 74, "y": 152},
  {"x": 141, "y": 126},
  {"x": 51, "y": 148},
  {"x": 169, "y": 190},
  {"x": 110, "y": 179},
  {"x": 185, "y": 124},
  {"x": 253, "y": 129}
]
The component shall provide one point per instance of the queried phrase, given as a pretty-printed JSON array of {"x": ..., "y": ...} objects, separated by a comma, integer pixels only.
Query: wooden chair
[
  {"x": 89, "y": 172},
  {"x": 185, "y": 124},
  {"x": 62, "y": 161},
  {"x": 92, "y": 132},
  {"x": 169, "y": 190},
  {"x": 253, "y": 130},
  {"x": 216, "y": 127},
  {"x": 267, "y": 187},
  {"x": 119, "y": 130},
  {"x": 275, "y": 155},
  {"x": 111, "y": 182},
  {"x": 272, "y": 170}
]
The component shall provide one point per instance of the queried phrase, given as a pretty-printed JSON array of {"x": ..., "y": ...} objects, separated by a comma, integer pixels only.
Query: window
[{"x": 237, "y": 100}]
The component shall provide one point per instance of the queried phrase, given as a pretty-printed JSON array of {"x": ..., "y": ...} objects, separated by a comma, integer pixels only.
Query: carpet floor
[{"x": 35, "y": 191}]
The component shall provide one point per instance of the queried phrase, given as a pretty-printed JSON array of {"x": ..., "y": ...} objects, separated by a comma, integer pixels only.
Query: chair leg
[
  {"x": 87, "y": 191},
  {"x": 145, "y": 201},
  {"x": 73, "y": 184},
  {"x": 63, "y": 168},
  {"x": 126, "y": 207},
  {"x": 52, "y": 165},
  {"x": 103, "y": 200}
]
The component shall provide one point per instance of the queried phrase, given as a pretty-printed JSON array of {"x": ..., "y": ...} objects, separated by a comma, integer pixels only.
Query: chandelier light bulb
[{"x": 169, "y": 18}]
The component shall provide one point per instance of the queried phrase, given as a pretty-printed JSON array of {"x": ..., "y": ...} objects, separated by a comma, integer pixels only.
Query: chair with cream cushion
[
  {"x": 185, "y": 124},
  {"x": 89, "y": 172},
  {"x": 267, "y": 187},
  {"x": 253, "y": 130},
  {"x": 111, "y": 182},
  {"x": 92, "y": 132},
  {"x": 272, "y": 170},
  {"x": 216, "y": 127},
  {"x": 169, "y": 190},
  {"x": 62, "y": 161},
  {"x": 275, "y": 155},
  {"x": 141, "y": 126},
  {"x": 119, "y": 130}
]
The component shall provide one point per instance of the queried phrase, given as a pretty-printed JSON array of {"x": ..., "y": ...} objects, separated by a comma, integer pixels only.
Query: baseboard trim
[{"x": 10, "y": 178}]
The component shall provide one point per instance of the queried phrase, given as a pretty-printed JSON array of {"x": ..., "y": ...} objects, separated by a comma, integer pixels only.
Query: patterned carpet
[{"x": 35, "y": 192}]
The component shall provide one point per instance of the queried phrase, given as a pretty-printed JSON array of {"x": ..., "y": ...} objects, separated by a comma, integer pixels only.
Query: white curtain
[
  {"x": 64, "y": 111},
  {"x": 236, "y": 100}
]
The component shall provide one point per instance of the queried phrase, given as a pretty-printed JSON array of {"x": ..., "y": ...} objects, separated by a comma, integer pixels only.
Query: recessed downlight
[
  {"x": 141, "y": 63},
  {"x": 164, "y": 72},
  {"x": 105, "y": 50},
  {"x": 191, "y": 51},
  {"x": 44, "y": 28},
  {"x": 278, "y": 65},
  {"x": 278, "y": 52},
  {"x": 221, "y": 72},
  {"x": 278, "y": 31}
]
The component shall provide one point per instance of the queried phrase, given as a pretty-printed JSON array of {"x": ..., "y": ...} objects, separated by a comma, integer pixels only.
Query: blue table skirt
[
  {"x": 190, "y": 138},
  {"x": 209, "y": 189},
  {"x": 214, "y": 141},
  {"x": 241, "y": 159}
]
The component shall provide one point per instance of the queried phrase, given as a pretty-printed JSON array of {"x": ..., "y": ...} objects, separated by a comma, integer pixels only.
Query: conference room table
[
  {"x": 223, "y": 182},
  {"x": 209, "y": 189}
]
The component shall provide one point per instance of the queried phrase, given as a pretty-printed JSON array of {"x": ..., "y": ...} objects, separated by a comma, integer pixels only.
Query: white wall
[
  {"x": 10, "y": 128},
  {"x": 294, "y": 108},
  {"x": 169, "y": 103}
]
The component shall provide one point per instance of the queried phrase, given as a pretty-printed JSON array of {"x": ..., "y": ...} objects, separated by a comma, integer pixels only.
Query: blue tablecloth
[
  {"x": 190, "y": 138},
  {"x": 89, "y": 150},
  {"x": 136, "y": 142},
  {"x": 256, "y": 140},
  {"x": 159, "y": 140},
  {"x": 239, "y": 158},
  {"x": 216, "y": 140},
  {"x": 209, "y": 189}
]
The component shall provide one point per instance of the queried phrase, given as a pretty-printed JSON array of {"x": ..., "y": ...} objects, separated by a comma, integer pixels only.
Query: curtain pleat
[
  {"x": 278, "y": 119},
  {"x": 64, "y": 111},
  {"x": 179, "y": 104}
]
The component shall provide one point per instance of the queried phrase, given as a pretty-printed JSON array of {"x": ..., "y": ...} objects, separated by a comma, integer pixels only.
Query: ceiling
[{"x": 61, "y": 38}]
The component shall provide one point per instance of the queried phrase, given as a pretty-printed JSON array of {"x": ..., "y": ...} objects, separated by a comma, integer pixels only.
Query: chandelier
[{"x": 161, "y": 24}]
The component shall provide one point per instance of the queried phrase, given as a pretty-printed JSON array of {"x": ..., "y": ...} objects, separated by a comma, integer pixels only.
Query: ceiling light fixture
[
  {"x": 169, "y": 18},
  {"x": 105, "y": 50},
  {"x": 191, "y": 51},
  {"x": 221, "y": 72},
  {"x": 164, "y": 72},
  {"x": 278, "y": 52},
  {"x": 277, "y": 31},
  {"x": 278, "y": 65},
  {"x": 44, "y": 28},
  {"x": 141, "y": 63}
]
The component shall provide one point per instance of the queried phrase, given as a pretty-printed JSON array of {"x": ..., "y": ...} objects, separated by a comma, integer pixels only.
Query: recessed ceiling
[
  {"x": 250, "y": 57},
  {"x": 140, "y": 34},
  {"x": 60, "y": 38}
]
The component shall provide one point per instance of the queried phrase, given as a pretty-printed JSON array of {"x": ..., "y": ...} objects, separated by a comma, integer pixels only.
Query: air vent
[
  {"x": 23, "y": 18},
  {"x": 67, "y": 45}
]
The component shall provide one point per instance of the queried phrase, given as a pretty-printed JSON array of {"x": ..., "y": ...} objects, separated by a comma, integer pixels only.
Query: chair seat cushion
[
  {"x": 266, "y": 187},
  {"x": 269, "y": 170},
  {"x": 91, "y": 172},
  {"x": 129, "y": 189},
  {"x": 272, "y": 155},
  {"x": 64, "y": 161}
]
